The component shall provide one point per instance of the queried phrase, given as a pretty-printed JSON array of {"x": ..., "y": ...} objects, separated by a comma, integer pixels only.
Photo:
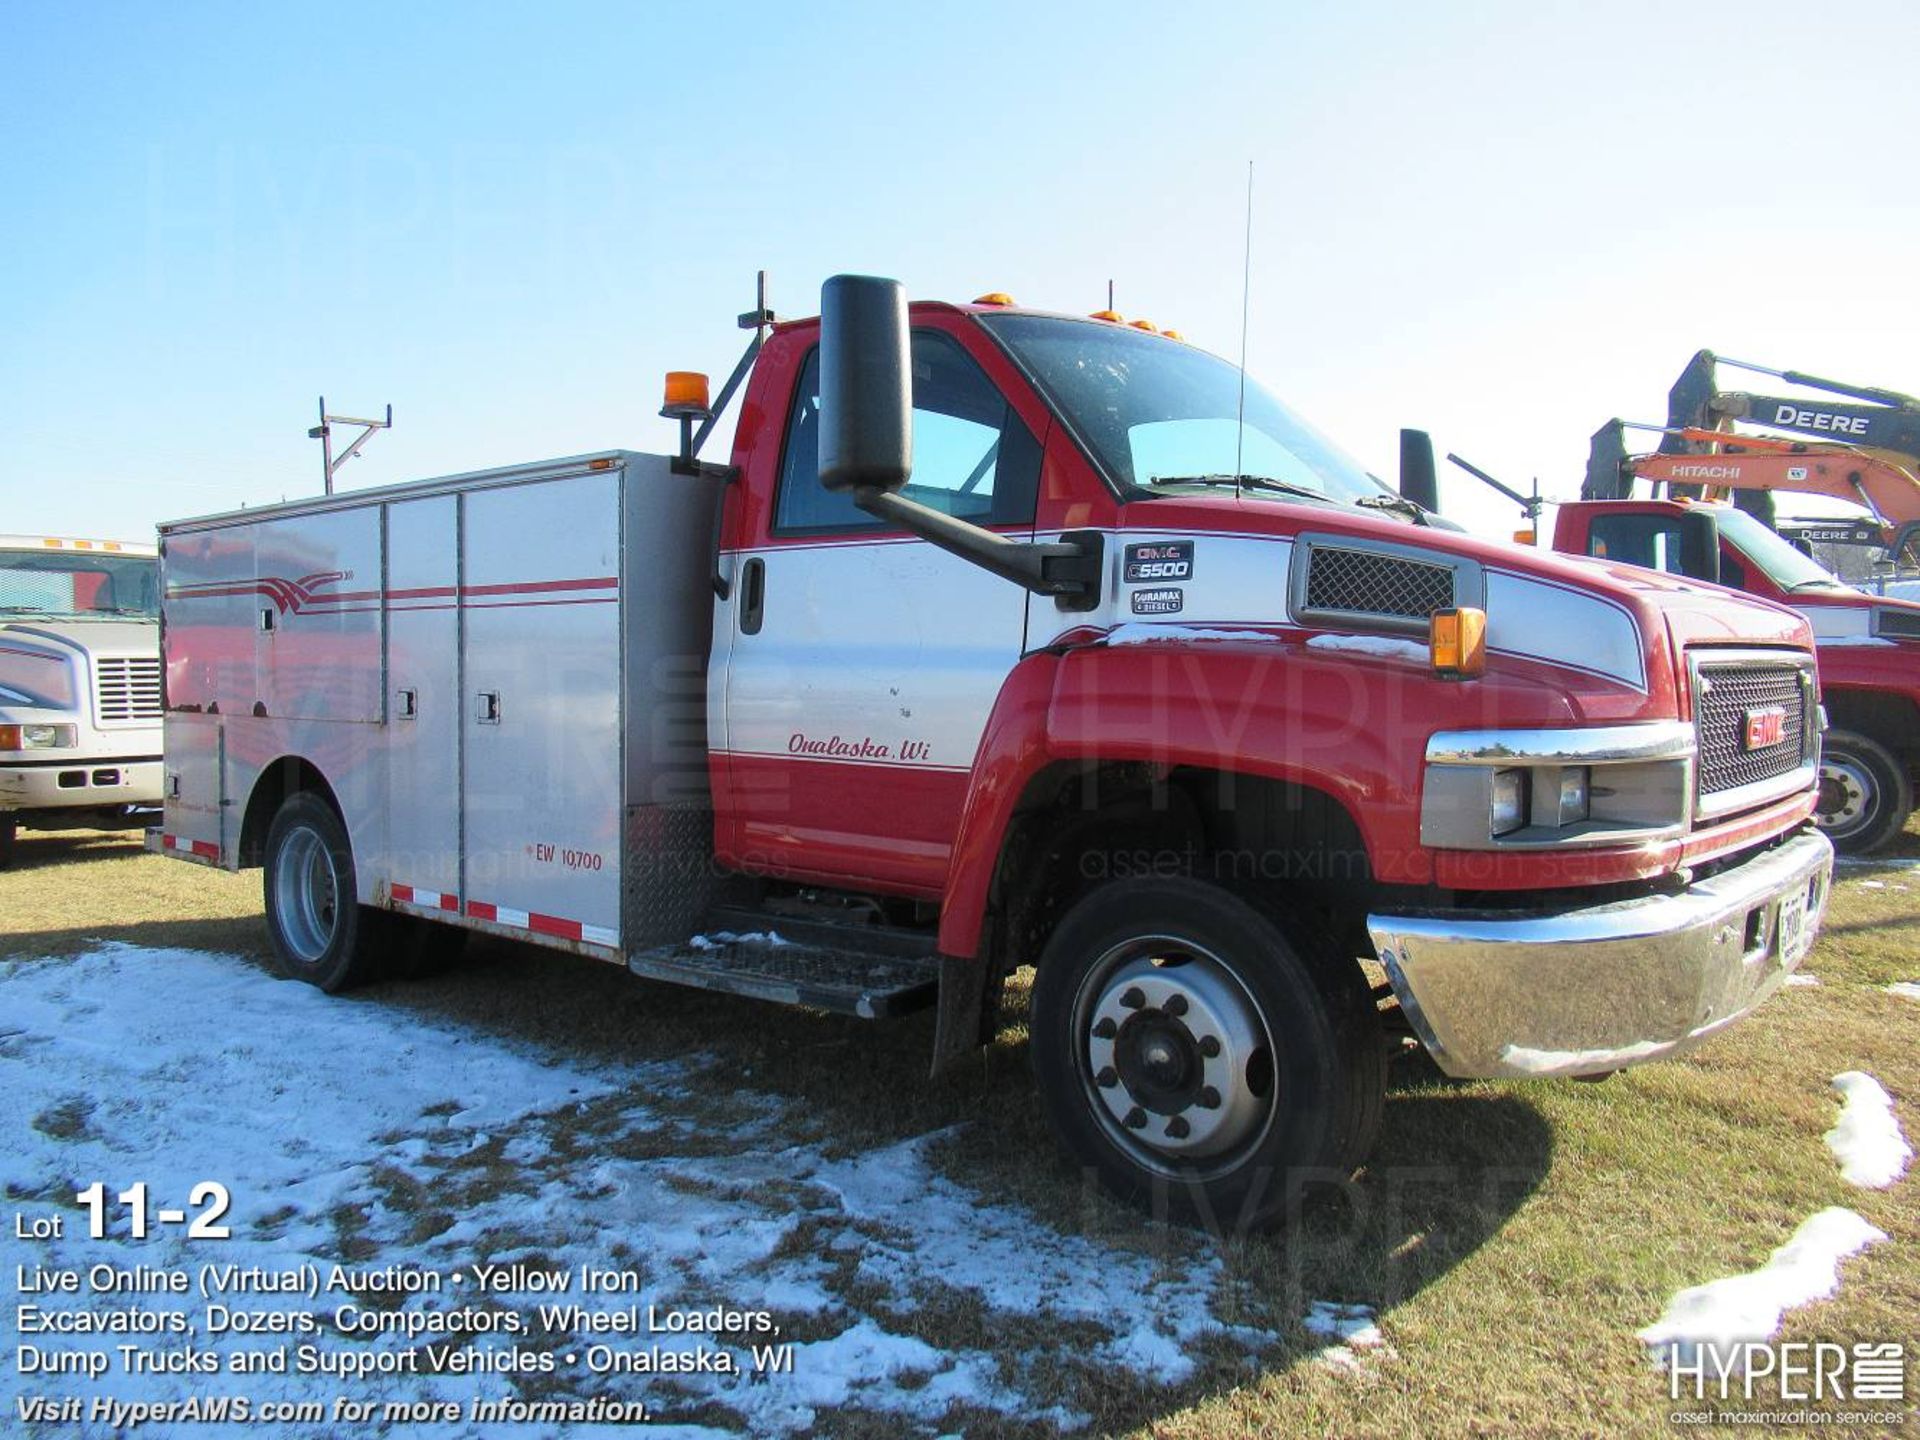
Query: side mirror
[
  {"x": 1419, "y": 482},
  {"x": 1700, "y": 546},
  {"x": 866, "y": 384}
]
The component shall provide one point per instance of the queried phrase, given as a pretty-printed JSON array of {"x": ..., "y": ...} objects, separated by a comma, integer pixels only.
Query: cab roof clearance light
[{"x": 994, "y": 297}]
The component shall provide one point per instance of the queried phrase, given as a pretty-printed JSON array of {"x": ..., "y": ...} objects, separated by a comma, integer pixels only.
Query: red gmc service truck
[{"x": 1012, "y": 638}]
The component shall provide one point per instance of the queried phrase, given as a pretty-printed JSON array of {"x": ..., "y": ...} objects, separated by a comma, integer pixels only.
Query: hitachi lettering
[
  {"x": 1799, "y": 419},
  {"x": 1706, "y": 472}
]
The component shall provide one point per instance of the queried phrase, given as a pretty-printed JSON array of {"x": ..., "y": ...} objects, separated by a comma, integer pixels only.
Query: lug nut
[
  {"x": 1136, "y": 1119},
  {"x": 1175, "y": 1005},
  {"x": 1133, "y": 999},
  {"x": 1209, "y": 1098},
  {"x": 1209, "y": 1045},
  {"x": 1107, "y": 1078},
  {"x": 1177, "y": 1128},
  {"x": 1104, "y": 1028}
]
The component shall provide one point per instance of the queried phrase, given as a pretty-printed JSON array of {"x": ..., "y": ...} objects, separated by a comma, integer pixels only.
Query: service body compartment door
[
  {"x": 540, "y": 608},
  {"x": 423, "y": 700},
  {"x": 318, "y": 604}
]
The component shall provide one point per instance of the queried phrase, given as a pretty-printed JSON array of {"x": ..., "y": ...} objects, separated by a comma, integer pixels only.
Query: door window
[{"x": 973, "y": 458}]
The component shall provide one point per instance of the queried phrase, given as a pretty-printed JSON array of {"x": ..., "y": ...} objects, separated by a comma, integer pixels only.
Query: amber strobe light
[
  {"x": 1457, "y": 640},
  {"x": 686, "y": 394}
]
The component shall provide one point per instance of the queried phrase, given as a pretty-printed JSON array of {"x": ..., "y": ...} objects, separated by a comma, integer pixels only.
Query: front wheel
[
  {"x": 1865, "y": 795},
  {"x": 1188, "y": 1047},
  {"x": 321, "y": 934}
]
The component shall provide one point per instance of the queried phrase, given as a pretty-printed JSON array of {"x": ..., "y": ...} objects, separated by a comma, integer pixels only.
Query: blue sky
[{"x": 1505, "y": 222}]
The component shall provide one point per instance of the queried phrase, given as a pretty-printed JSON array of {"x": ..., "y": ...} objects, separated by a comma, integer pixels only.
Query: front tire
[
  {"x": 1865, "y": 793},
  {"x": 321, "y": 934},
  {"x": 1198, "y": 1056}
]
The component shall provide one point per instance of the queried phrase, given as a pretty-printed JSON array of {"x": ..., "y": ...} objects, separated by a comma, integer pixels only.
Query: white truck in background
[{"x": 79, "y": 684}]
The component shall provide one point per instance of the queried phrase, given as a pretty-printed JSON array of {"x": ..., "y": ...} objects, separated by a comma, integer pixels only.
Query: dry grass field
[{"x": 1512, "y": 1237}]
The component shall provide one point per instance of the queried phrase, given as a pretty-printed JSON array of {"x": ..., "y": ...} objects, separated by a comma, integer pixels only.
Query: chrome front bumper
[{"x": 1594, "y": 990}]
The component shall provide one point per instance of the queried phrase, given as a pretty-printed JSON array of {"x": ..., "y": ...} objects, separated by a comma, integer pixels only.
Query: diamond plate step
[{"x": 796, "y": 970}]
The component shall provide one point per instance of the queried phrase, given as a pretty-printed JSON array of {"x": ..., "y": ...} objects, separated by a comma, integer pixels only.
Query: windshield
[
  {"x": 1162, "y": 417},
  {"x": 1785, "y": 566},
  {"x": 66, "y": 583}
]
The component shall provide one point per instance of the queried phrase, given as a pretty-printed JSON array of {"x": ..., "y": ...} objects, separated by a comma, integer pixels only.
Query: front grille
[
  {"x": 1371, "y": 582},
  {"x": 1726, "y": 695},
  {"x": 126, "y": 689}
]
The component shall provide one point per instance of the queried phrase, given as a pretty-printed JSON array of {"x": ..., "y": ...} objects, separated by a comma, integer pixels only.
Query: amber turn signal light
[
  {"x": 686, "y": 395},
  {"x": 1457, "y": 641}
]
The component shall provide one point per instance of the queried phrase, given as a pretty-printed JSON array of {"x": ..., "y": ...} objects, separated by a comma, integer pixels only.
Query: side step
[{"x": 867, "y": 971}]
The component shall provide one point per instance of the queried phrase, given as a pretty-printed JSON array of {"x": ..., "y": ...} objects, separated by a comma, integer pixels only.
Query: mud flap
[{"x": 968, "y": 1010}]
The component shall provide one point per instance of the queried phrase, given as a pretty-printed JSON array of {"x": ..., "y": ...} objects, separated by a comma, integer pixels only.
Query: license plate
[{"x": 1794, "y": 935}]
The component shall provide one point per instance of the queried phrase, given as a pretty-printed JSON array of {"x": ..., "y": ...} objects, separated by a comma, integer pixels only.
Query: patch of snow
[
  {"x": 1867, "y": 1142},
  {"x": 1577, "y": 1062},
  {"x": 1706, "y": 1323},
  {"x": 722, "y": 938},
  {"x": 1828, "y": 641},
  {"x": 1800, "y": 979},
  {"x": 1353, "y": 1333},
  {"x": 1372, "y": 645},
  {"x": 1877, "y": 862},
  {"x": 1137, "y": 633},
  {"x": 1871, "y": 884},
  {"x": 1910, "y": 989},
  {"x": 336, "y": 1120}
]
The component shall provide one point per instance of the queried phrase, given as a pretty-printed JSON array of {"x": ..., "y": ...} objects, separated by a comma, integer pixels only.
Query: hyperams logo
[{"x": 1162, "y": 560}]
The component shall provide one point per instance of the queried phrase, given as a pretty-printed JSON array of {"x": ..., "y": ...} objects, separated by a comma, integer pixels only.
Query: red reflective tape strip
[
  {"x": 205, "y": 849},
  {"x": 481, "y": 910},
  {"x": 554, "y": 925},
  {"x": 403, "y": 892}
]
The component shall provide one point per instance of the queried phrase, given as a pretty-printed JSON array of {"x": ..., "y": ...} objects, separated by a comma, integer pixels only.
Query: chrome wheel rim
[
  {"x": 1175, "y": 1059},
  {"x": 306, "y": 886},
  {"x": 1847, "y": 795}
]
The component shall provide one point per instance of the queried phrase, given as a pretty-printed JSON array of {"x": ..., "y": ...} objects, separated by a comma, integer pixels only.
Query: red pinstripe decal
[{"x": 532, "y": 587}]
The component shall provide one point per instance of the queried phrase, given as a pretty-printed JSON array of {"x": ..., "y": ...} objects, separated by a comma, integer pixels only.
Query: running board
[{"x": 769, "y": 963}]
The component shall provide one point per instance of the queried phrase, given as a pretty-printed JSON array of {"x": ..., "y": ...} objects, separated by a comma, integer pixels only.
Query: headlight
[
  {"x": 37, "y": 737},
  {"x": 1509, "y": 800}
]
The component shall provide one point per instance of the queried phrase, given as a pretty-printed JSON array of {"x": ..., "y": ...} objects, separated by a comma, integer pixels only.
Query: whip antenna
[{"x": 1246, "y": 286}]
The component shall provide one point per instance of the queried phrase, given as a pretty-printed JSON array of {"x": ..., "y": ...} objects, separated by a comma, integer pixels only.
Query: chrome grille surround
[
  {"x": 1728, "y": 686},
  {"x": 126, "y": 689}
]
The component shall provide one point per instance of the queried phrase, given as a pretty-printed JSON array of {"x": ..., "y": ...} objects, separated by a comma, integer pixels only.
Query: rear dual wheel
[{"x": 1198, "y": 1056}]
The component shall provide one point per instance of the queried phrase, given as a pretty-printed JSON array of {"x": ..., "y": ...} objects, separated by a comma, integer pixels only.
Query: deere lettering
[{"x": 1794, "y": 417}]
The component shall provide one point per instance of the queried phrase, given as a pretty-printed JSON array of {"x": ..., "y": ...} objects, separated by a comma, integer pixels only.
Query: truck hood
[{"x": 67, "y": 638}]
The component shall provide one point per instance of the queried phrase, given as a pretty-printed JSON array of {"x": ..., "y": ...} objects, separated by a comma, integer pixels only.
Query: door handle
[
  {"x": 486, "y": 708},
  {"x": 408, "y": 704},
  {"x": 753, "y": 595}
]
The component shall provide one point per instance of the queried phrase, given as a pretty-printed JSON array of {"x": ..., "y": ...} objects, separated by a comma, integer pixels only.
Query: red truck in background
[
  {"x": 1011, "y": 638},
  {"x": 1869, "y": 645}
]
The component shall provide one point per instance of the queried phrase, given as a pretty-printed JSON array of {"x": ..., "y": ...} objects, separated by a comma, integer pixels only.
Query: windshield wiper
[
  {"x": 1399, "y": 504},
  {"x": 1820, "y": 584},
  {"x": 1249, "y": 482}
]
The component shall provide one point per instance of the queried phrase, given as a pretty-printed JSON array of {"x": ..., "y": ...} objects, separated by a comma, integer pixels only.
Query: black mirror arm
[{"x": 1069, "y": 569}]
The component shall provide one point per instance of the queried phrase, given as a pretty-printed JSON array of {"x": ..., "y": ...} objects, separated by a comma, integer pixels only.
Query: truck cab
[
  {"x": 80, "y": 728},
  {"x": 1011, "y": 638},
  {"x": 1869, "y": 645}
]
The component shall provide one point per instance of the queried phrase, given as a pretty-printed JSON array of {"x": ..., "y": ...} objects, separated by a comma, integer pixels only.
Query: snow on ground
[
  {"x": 1909, "y": 989},
  {"x": 1352, "y": 1333},
  {"x": 1372, "y": 645},
  {"x": 1800, "y": 979},
  {"x": 1867, "y": 1142},
  {"x": 1725, "y": 1313},
  {"x": 354, "y": 1131}
]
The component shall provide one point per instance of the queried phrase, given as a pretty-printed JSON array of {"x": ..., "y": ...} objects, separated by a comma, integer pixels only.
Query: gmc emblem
[{"x": 1766, "y": 727}]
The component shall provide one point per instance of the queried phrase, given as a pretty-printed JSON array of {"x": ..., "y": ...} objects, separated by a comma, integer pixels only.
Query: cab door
[{"x": 864, "y": 662}]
